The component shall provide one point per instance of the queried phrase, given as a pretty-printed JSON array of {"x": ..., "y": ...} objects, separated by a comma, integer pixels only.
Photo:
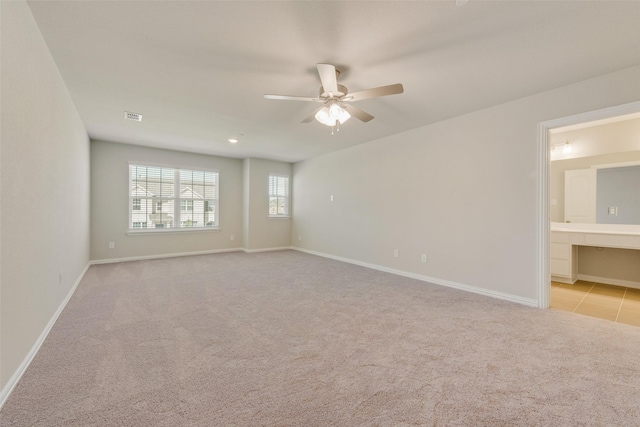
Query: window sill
[
  {"x": 135, "y": 232},
  {"x": 279, "y": 217}
]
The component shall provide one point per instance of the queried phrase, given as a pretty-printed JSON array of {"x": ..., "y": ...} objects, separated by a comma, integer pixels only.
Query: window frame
[
  {"x": 176, "y": 199},
  {"x": 287, "y": 195}
]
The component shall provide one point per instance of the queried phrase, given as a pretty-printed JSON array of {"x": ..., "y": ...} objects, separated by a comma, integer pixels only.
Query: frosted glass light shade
[{"x": 332, "y": 114}]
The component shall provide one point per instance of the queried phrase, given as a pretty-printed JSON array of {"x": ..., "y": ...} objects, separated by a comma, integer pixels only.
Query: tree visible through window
[
  {"x": 158, "y": 194},
  {"x": 278, "y": 195}
]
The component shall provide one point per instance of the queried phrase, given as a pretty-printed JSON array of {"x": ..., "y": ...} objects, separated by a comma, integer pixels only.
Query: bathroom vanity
[{"x": 566, "y": 237}]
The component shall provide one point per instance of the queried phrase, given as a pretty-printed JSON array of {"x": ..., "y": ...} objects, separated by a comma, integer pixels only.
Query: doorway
[{"x": 544, "y": 166}]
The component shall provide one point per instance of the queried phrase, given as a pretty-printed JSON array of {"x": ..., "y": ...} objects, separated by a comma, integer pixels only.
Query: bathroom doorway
[{"x": 583, "y": 295}]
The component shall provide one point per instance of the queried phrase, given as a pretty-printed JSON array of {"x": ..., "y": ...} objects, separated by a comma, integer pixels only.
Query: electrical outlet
[
  {"x": 60, "y": 278},
  {"x": 424, "y": 258},
  {"x": 395, "y": 253},
  {"x": 332, "y": 197},
  {"x": 232, "y": 237},
  {"x": 299, "y": 236},
  {"x": 112, "y": 245}
]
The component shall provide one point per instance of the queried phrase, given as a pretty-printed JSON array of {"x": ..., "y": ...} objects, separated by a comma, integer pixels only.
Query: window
[
  {"x": 158, "y": 194},
  {"x": 278, "y": 196}
]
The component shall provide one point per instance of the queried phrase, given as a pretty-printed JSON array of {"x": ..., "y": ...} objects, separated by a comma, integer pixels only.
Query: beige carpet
[{"x": 290, "y": 339}]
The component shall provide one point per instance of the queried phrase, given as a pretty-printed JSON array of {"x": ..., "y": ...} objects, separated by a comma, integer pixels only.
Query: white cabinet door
[
  {"x": 580, "y": 196},
  {"x": 563, "y": 264}
]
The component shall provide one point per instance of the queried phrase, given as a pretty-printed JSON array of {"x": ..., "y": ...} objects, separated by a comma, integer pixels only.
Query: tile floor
[{"x": 609, "y": 302}]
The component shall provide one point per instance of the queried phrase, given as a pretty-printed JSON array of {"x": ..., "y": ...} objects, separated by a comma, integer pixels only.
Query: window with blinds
[
  {"x": 163, "y": 198},
  {"x": 278, "y": 196}
]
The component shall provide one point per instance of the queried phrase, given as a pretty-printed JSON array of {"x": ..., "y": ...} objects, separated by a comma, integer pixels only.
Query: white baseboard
[
  {"x": 13, "y": 381},
  {"x": 253, "y": 251},
  {"x": 172, "y": 255},
  {"x": 609, "y": 281},
  {"x": 481, "y": 291},
  {"x": 563, "y": 280}
]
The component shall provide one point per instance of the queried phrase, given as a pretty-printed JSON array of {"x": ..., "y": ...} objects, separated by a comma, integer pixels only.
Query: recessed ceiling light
[
  {"x": 232, "y": 140},
  {"x": 461, "y": 2}
]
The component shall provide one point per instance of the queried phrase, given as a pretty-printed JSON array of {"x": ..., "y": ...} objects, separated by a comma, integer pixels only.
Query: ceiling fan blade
[
  {"x": 357, "y": 113},
  {"x": 293, "y": 98},
  {"x": 312, "y": 116},
  {"x": 375, "y": 92},
  {"x": 328, "y": 77}
]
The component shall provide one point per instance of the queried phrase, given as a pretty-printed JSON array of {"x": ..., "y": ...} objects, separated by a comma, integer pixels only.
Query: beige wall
[
  {"x": 110, "y": 203},
  {"x": 44, "y": 187},
  {"x": 463, "y": 191},
  {"x": 616, "y": 137},
  {"x": 262, "y": 232},
  {"x": 609, "y": 263}
]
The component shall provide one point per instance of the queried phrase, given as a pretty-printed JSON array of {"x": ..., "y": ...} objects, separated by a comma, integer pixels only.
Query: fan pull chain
[{"x": 337, "y": 126}]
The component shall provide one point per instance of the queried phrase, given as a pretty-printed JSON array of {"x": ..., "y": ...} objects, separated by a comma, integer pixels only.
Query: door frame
[{"x": 544, "y": 165}]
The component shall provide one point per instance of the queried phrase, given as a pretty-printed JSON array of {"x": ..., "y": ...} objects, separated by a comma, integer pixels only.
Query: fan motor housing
[{"x": 342, "y": 91}]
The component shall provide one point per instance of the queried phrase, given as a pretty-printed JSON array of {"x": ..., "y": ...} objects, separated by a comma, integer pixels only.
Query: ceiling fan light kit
[
  {"x": 331, "y": 114},
  {"x": 335, "y": 112}
]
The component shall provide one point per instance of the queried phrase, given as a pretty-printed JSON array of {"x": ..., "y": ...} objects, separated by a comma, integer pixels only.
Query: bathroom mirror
[{"x": 618, "y": 195}]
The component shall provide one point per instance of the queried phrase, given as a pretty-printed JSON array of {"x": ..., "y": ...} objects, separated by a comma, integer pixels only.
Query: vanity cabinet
[
  {"x": 564, "y": 258},
  {"x": 566, "y": 238}
]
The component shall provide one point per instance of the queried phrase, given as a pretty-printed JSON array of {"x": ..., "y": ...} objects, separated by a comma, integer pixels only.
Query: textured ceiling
[{"x": 197, "y": 71}]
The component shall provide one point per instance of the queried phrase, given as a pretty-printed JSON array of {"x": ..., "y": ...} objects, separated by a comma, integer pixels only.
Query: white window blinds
[
  {"x": 278, "y": 195},
  {"x": 169, "y": 198}
]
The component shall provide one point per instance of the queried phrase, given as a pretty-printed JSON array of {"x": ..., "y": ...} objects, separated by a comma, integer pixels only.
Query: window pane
[
  {"x": 199, "y": 190},
  {"x": 278, "y": 195},
  {"x": 153, "y": 196}
]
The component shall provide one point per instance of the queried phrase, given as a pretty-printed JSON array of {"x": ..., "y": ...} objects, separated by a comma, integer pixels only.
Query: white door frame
[{"x": 544, "y": 162}]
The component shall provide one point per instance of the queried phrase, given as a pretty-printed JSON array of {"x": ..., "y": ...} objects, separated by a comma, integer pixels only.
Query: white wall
[
  {"x": 45, "y": 191},
  {"x": 262, "y": 232},
  {"x": 246, "y": 202},
  {"x": 463, "y": 191},
  {"x": 110, "y": 203}
]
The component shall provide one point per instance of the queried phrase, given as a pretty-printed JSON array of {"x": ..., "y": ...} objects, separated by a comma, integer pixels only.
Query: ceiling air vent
[{"x": 133, "y": 116}]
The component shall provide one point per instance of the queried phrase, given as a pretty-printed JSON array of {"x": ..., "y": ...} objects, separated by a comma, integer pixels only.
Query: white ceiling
[{"x": 197, "y": 71}]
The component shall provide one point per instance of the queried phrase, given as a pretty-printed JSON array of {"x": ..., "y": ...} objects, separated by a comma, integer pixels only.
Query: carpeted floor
[{"x": 290, "y": 339}]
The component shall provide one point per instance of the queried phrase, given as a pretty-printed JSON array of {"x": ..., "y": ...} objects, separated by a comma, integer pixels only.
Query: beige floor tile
[
  {"x": 628, "y": 316},
  {"x": 578, "y": 286},
  {"x": 570, "y": 293},
  {"x": 603, "y": 300},
  {"x": 631, "y": 305},
  {"x": 597, "y": 300},
  {"x": 597, "y": 310},
  {"x": 629, "y": 319},
  {"x": 633, "y": 294},
  {"x": 610, "y": 290},
  {"x": 562, "y": 303},
  {"x": 583, "y": 282}
]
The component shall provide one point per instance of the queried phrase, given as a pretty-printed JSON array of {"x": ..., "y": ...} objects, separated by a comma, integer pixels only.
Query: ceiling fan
[{"x": 335, "y": 99}]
